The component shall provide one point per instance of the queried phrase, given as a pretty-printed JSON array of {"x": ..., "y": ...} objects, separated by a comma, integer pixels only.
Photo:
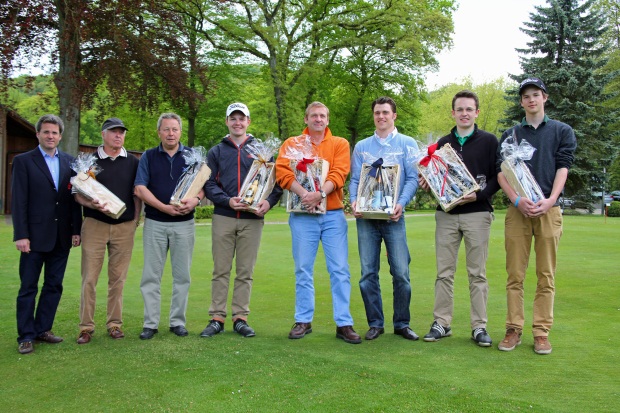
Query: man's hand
[
  {"x": 263, "y": 207},
  {"x": 76, "y": 240},
  {"x": 398, "y": 212},
  {"x": 540, "y": 208},
  {"x": 236, "y": 204},
  {"x": 187, "y": 205},
  {"x": 355, "y": 213},
  {"x": 422, "y": 183},
  {"x": 471, "y": 197},
  {"x": 23, "y": 245},
  {"x": 171, "y": 210},
  {"x": 311, "y": 201},
  {"x": 100, "y": 206}
]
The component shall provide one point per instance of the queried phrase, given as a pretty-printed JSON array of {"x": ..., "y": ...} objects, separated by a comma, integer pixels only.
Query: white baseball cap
[{"x": 238, "y": 107}]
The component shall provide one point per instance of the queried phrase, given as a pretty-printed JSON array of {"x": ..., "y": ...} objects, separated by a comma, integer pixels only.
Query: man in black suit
[{"x": 46, "y": 223}]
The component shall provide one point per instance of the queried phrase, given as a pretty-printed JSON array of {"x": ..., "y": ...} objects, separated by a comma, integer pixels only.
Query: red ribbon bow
[
  {"x": 431, "y": 156},
  {"x": 303, "y": 165}
]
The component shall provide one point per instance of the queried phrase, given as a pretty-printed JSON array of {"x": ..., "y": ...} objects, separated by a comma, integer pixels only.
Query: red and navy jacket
[{"x": 229, "y": 166}]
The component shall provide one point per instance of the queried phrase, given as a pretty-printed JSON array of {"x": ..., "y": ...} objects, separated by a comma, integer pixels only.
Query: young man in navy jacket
[
  {"x": 236, "y": 230},
  {"x": 555, "y": 145}
]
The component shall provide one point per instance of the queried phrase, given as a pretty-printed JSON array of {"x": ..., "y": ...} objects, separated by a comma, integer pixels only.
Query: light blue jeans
[
  {"x": 306, "y": 231},
  {"x": 158, "y": 238},
  {"x": 370, "y": 232}
]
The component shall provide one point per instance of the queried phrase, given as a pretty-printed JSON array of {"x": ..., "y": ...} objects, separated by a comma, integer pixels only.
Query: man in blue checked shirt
[{"x": 387, "y": 142}]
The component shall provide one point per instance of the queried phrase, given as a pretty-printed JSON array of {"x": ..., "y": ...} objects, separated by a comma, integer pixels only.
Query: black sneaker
[
  {"x": 241, "y": 327},
  {"x": 481, "y": 337},
  {"x": 214, "y": 327},
  {"x": 437, "y": 331}
]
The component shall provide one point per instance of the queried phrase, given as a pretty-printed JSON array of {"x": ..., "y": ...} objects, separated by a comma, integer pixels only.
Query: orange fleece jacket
[{"x": 334, "y": 150}]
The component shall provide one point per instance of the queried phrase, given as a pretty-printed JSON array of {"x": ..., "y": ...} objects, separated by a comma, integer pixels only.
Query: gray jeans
[{"x": 159, "y": 237}]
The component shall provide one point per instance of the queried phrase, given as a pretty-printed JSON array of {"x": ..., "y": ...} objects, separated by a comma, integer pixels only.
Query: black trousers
[{"x": 35, "y": 319}]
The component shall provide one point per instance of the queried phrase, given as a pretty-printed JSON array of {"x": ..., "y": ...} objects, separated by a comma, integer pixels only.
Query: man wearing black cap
[
  {"x": 118, "y": 172},
  {"x": 555, "y": 145}
]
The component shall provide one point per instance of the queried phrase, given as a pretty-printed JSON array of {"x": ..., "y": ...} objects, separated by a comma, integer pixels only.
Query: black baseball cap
[
  {"x": 532, "y": 81},
  {"x": 113, "y": 123}
]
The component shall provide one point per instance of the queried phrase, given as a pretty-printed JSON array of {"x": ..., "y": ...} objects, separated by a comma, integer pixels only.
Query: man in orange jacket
[{"x": 308, "y": 229}]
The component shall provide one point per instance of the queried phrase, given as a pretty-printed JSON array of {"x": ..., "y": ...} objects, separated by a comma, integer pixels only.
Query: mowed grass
[{"x": 320, "y": 373}]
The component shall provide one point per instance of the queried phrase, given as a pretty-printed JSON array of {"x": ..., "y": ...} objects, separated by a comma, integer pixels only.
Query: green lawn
[{"x": 320, "y": 373}]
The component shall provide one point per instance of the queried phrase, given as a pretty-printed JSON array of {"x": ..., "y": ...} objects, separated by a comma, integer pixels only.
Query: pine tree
[{"x": 567, "y": 53}]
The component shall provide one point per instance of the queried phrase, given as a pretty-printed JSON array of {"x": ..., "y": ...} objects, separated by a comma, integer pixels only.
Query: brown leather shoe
[
  {"x": 25, "y": 347},
  {"x": 116, "y": 333},
  {"x": 84, "y": 337},
  {"x": 511, "y": 340},
  {"x": 374, "y": 332},
  {"x": 348, "y": 334},
  {"x": 299, "y": 330},
  {"x": 542, "y": 345},
  {"x": 49, "y": 337}
]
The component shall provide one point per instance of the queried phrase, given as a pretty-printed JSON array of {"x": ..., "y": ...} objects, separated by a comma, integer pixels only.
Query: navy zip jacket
[
  {"x": 478, "y": 153},
  {"x": 229, "y": 166},
  {"x": 555, "y": 145}
]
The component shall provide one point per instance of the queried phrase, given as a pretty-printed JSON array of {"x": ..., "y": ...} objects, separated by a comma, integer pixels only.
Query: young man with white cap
[
  {"x": 236, "y": 230},
  {"x": 555, "y": 146},
  {"x": 101, "y": 232}
]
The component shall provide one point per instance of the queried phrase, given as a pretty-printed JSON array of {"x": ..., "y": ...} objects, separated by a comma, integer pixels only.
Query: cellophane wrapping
[
  {"x": 379, "y": 184},
  {"x": 310, "y": 172},
  {"x": 447, "y": 176},
  {"x": 515, "y": 170},
  {"x": 86, "y": 184},
  {"x": 194, "y": 175},
  {"x": 261, "y": 177}
]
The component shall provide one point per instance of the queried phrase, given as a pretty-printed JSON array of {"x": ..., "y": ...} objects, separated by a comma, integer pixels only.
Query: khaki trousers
[
  {"x": 546, "y": 231},
  {"x": 475, "y": 229},
  {"x": 232, "y": 236},
  {"x": 118, "y": 239}
]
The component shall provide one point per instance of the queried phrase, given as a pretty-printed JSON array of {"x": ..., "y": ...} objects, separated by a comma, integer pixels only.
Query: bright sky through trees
[{"x": 486, "y": 33}]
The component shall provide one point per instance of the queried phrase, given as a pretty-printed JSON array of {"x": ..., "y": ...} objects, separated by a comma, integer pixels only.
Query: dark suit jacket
[{"x": 40, "y": 213}]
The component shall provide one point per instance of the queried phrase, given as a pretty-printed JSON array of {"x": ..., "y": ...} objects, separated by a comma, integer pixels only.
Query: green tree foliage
[
  {"x": 611, "y": 9},
  {"x": 293, "y": 39},
  {"x": 33, "y": 96},
  {"x": 132, "y": 45},
  {"x": 614, "y": 209},
  {"x": 392, "y": 64},
  {"x": 436, "y": 110},
  {"x": 247, "y": 83},
  {"x": 567, "y": 53}
]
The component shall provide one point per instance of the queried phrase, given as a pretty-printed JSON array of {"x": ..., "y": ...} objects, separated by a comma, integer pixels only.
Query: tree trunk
[
  {"x": 69, "y": 77},
  {"x": 278, "y": 92},
  {"x": 191, "y": 129},
  {"x": 353, "y": 125}
]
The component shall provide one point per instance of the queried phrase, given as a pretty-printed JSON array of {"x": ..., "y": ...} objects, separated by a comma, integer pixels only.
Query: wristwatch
[{"x": 323, "y": 194}]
